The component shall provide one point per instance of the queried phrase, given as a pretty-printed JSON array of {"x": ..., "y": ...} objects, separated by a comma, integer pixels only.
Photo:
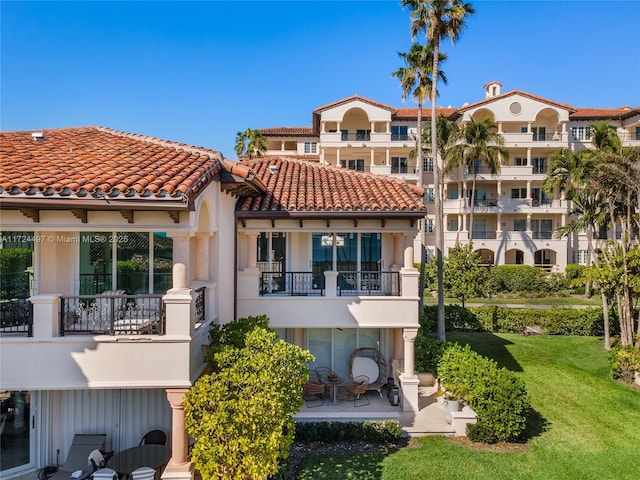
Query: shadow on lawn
[
  {"x": 488, "y": 345},
  {"x": 536, "y": 426}
]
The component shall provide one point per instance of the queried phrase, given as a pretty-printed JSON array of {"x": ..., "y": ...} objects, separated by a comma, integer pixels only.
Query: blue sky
[{"x": 198, "y": 72}]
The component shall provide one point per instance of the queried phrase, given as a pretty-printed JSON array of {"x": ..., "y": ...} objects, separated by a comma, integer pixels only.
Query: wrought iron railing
[
  {"x": 355, "y": 136},
  {"x": 404, "y": 169},
  {"x": 15, "y": 308},
  {"x": 401, "y": 137},
  {"x": 200, "y": 305},
  {"x": 369, "y": 283},
  {"x": 112, "y": 314},
  {"x": 291, "y": 283}
]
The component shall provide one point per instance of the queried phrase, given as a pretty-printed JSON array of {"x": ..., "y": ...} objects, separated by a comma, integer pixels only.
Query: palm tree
[
  {"x": 604, "y": 137},
  {"x": 415, "y": 80},
  {"x": 438, "y": 20},
  {"x": 480, "y": 141},
  {"x": 250, "y": 143}
]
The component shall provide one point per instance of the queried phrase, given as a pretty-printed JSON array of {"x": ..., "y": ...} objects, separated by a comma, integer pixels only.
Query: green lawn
[
  {"x": 591, "y": 425},
  {"x": 594, "y": 301}
]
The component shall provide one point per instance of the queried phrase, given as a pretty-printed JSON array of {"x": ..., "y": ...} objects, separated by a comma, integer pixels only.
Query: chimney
[
  {"x": 38, "y": 136},
  {"x": 492, "y": 89}
]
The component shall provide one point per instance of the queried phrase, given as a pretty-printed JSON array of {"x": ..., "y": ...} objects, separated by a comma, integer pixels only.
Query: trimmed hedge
[
  {"x": 553, "y": 321},
  {"x": 498, "y": 397},
  {"x": 384, "y": 431}
]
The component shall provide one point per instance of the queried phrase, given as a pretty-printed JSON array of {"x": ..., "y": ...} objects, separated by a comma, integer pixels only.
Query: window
[
  {"x": 518, "y": 193},
  {"x": 539, "y": 165},
  {"x": 539, "y": 134},
  {"x": 429, "y": 226},
  {"x": 427, "y": 164},
  {"x": 399, "y": 132},
  {"x": 428, "y": 195},
  {"x": 452, "y": 224},
  {"x": 310, "y": 147},
  {"x": 519, "y": 161},
  {"x": 524, "y": 129},
  {"x": 581, "y": 133},
  {"x": 344, "y": 135},
  {"x": 452, "y": 193},
  {"x": 398, "y": 164},
  {"x": 363, "y": 134},
  {"x": 353, "y": 164},
  {"x": 580, "y": 257},
  {"x": 519, "y": 225},
  {"x": 542, "y": 228},
  {"x": 637, "y": 133}
]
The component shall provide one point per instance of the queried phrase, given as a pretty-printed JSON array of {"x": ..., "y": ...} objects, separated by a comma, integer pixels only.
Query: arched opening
[
  {"x": 488, "y": 256},
  {"x": 514, "y": 257},
  {"x": 545, "y": 259}
]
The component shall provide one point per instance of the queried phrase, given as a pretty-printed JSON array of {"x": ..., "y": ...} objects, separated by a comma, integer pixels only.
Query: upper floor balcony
[
  {"x": 330, "y": 298},
  {"x": 536, "y": 139},
  {"x": 506, "y": 205},
  {"x": 506, "y": 172},
  {"x": 106, "y": 340}
]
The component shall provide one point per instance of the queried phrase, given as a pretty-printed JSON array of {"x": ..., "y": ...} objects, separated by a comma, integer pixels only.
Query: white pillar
[
  {"x": 331, "y": 284},
  {"x": 45, "y": 315},
  {"x": 179, "y": 466},
  {"x": 202, "y": 255},
  {"x": 181, "y": 251},
  {"x": 252, "y": 249},
  {"x": 409, "y": 379}
]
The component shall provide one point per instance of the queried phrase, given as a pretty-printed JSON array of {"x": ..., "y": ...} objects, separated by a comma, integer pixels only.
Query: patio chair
[
  {"x": 325, "y": 374},
  {"x": 77, "y": 459},
  {"x": 369, "y": 361},
  {"x": 313, "y": 393},
  {"x": 143, "y": 473},
  {"x": 154, "y": 437},
  {"x": 104, "y": 474},
  {"x": 357, "y": 387}
]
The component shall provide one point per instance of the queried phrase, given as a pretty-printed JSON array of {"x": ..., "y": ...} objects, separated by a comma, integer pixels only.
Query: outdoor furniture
[
  {"x": 143, "y": 473},
  {"x": 153, "y": 456},
  {"x": 104, "y": 474},
  {"x": 154, "y": 437},
  {"x": 331, "y": 379},
  {"x": 369, "y": 361},
  {"x": 312, "y": 393},
  {"x": 357, "y": 388},
  {"x": 78, "y": 456}
]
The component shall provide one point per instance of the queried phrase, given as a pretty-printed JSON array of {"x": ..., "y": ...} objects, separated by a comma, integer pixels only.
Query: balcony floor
[{"x": 429, "y": 420}]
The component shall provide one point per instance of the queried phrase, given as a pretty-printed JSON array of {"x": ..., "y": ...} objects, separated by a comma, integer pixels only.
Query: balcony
[
  {"x": 401, "y": 137},
  {"x": 312, "y": 284},
  {"x": 355, "y": 137}
]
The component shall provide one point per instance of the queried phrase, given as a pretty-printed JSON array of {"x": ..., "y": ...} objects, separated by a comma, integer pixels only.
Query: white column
[
  {"x": 387, "y": 158},
  {"x": 45, "y": 315},
  {"x": 408, "y": 379},
  {"x": 181, "y": 250},
  {"x": 202, "y": 254},
  {"x": 179, "y": 466},
  {"x": 252, "y": 249},
  {"x": 372, "y": 157}
]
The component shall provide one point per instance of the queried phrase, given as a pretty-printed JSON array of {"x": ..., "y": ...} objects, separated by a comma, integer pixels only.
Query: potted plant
[{"x": 454, "y": 396}]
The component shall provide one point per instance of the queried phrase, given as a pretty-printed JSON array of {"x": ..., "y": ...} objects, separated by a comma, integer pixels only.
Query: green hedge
[
  {"x": 384, "y": 431},
  {"x": 553, "y": 321},
  {"x": 498, "y": 397}
]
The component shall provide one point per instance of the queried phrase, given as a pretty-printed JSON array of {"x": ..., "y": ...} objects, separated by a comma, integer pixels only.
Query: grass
[
  {"x": 588, "y": 425},
  {"x": 593, "y": 301}
]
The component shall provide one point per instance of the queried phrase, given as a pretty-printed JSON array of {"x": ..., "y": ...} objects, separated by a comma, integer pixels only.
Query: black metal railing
[
  {"x": 291, "y": 283},
  {"x": 404, "y": 169},
  {"x": 356, "y": 137},
  {"x": 485, "y": 202},
  {"x": 484, "y": 234},
  {"x": 369, "y": 283},
  {"x": 546, "y": 137},
  {"x": 400, "y": 137},
  {"x": 15, "y": 308},
  {"x": 200, "y": 305},
  {"x": 112, "y": 314}
]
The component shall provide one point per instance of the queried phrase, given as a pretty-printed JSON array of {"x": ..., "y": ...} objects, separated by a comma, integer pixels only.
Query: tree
[
  {"x": 480, "y": 141},
  {"x": 438, "y": 20},
  {"x": 464, "y": 278},
  {"x": 240, "y": 414},
  {"x": 415, "y": 80},
  {"x": 250, "y": 143}
]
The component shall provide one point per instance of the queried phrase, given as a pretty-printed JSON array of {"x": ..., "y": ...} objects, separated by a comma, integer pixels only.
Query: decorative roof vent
[
  {"x": 38, "y": 136},
  {"x": 492, "y": 89},
  {"x": 273, "y": 169}
]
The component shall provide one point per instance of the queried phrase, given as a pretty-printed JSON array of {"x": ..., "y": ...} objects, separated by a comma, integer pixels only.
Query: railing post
[
  {"x": 331, "y": 283},
  {"x": 46, "y": 315}
]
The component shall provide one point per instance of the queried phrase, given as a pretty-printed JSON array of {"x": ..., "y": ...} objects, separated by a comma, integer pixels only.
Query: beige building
[{"x": 514, "y": 218}]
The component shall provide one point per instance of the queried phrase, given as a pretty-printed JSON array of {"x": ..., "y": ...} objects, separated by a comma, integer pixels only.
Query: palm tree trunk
[
  {"x": 422, "y": 230},
  {"x": 605, "y": 316},
  {"x": 437, "y": 171},
  {"x": 473, "y": 206}
]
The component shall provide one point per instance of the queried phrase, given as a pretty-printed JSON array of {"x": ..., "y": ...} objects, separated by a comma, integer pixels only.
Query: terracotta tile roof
[
  {"x": 593, "y": 113},
  {"x": 351, "y": 99},
  {"x": 289, "y": 132},
  {"x": 97, "y": 163},
  {"x": 412, "y": 113},
  {"x": 515, "y": 92},
  {"x": 299, "y": 187}
]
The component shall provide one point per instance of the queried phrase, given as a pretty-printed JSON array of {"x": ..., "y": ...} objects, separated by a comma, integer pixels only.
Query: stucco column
[
  {"x": 499, "y": 225},
  {"x": 45, "y": 315},
  {"x": 499, "y": 189},
  {"x": 322, "y": 130},
  {"x": 337, "y": 156},
  {"x": 181, "y": 248},
  {"x": 528, "y": 189},
  {"x": 202, "y": 254},
  {"x": 408, "y": 379},
  {"x": 408, "y": 256},
  {"x": 387, "y": 158},
  {"x": 529, "y": 223},
  {"x": 398, "y": 249},
  {"x": 529, "y": 157},
  {"x": 499, "y": 127},
  {"x": 331, "y": 283},
  {"x": 282, "y": 146},
  {"x": 252, "y": 249},
  {"x": 179, "y": 467},
  {"x": 529, "y": 124},
  {"x": 372, "y": 157}
]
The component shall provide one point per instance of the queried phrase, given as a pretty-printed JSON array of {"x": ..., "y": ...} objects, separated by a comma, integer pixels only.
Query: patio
[{"x": 429, "y": 420}]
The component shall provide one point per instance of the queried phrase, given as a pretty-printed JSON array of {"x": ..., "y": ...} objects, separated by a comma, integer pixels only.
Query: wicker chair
[
  {"x": 313, "y": 393},
  {"x": 369, "y": 361},
  {"x": 358, "y": 388}
]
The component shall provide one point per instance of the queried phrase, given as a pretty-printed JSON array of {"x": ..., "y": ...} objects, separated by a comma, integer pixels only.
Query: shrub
[
  {"x": 624, "y": 362},
  {"x": 498, "y": 397},
  {"x": 428, "y": 352},
  {"x": 479, "y": 432},
  {"x": 384, "y": 431},
  {"x": 517, "y": 278}
]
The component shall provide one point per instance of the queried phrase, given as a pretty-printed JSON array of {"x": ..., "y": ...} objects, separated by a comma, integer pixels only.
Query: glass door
[{"x": 15, "y": 429}]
